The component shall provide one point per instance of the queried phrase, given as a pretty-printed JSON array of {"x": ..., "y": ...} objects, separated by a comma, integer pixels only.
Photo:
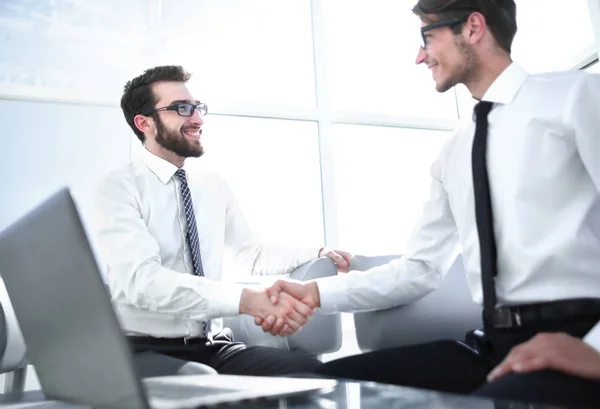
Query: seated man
[
  {"x": 162, "y": 232},
  {"x": 517, "y": 188}
]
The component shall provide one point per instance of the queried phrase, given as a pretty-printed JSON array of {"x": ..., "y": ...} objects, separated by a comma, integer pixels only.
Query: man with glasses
[
  {"x": 517, "y": 187},
  {"x": 162, "y": 232}
]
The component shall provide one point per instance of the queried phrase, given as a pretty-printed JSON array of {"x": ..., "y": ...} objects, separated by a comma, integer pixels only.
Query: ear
[
  {"x": 475, "y": 27},
  {"x": 144, "y": 123}
]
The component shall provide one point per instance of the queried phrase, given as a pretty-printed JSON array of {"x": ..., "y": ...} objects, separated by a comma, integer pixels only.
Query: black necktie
[
  {"x": 483, "y": 210},
  {"x": 192, "y": 232}
]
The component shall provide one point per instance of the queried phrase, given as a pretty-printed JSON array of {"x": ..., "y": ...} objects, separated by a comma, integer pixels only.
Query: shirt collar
[
  {"x": 163, "y": 169},
  {"x": 504, "y": 89}
]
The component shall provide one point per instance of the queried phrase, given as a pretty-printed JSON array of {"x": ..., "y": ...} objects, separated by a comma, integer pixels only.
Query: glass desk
[
  {"x": 365, "y": 395},
  {"x": 346, "y": 395}
]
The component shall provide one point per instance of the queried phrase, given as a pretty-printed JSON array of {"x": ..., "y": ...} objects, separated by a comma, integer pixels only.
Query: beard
[
  {"x": 466, "y": 71},
  {"x": 176, "y": 142}
]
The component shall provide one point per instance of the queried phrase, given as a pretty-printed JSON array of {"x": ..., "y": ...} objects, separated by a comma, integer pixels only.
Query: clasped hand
[
  {"x": 276, "y": 310},
  {"x": 296, "y": 300},
  {"x": 304, "y": 294}
]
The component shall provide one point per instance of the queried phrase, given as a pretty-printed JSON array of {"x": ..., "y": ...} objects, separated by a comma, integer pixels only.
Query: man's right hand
[
  {"x": 551, "y": 351},
  {"x": 287, "y": 312},
  {"x": 306, "y": 293}
]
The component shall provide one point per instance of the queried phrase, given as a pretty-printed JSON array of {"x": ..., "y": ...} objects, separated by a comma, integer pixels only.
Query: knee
[
  {"x": 343, "y": 368},
  {"x": 297, "y": 363},
  {"x": 307, "y": 364},
  {"x": 195, "y": 368},
  {"x": 151, "y": 364}
]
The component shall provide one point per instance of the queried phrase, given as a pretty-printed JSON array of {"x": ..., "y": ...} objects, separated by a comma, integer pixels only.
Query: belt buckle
[{"x": 507, "y": 317}]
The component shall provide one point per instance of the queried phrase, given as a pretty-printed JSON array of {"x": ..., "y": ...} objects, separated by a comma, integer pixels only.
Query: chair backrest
[
  {"x": 322, "y": 334},
  {"x": 13, "y": 359},
  {"x": 12, "y": 345},
  {"x": 446, "y": 313},
  {"x": 3, "y": 333}
]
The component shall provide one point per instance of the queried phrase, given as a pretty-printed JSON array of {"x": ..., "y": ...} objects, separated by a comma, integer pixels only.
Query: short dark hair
[
  {"x": 138, "y": 96},
  {"x": 500, "y": 15}
]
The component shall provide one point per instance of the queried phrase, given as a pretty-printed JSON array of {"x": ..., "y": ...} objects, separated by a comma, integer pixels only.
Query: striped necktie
[{"x": 191, "y": 232}]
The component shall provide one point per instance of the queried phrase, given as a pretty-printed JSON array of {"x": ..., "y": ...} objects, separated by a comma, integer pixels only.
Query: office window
[
  {"x": 371, "y": 53},
  {"x": 257, "y": 52},
  {"x": 382, "y": 181},
  {"x": 273, "y": 169},
  {"x": 552, "y": 35},
  {"x": 81, "y": 144},
  {"x": 71, "y": 49}
]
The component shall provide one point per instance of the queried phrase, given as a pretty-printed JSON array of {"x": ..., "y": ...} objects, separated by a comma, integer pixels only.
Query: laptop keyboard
[{"x": 173, "y": 391}]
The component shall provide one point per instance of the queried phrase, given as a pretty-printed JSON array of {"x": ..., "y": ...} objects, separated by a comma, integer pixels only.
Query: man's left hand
[
  {"x": 341, "y": 258},
  {"x": 554, "y": 351}
]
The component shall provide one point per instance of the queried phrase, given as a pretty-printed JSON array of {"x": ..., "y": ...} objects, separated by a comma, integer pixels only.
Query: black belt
[
  {"x": 535, "y": 314},
  {"x": 140, "y": 341}
]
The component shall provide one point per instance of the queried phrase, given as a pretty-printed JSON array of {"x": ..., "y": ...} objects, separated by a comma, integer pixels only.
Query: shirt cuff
[
  {"x": 592, "y": 338},
  {"x": 333, "y": 294}
]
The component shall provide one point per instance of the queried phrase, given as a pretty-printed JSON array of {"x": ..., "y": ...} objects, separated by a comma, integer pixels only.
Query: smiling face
[
  {"x": 178, "y": 134},
  {"x": 167, "y": 134},
  {"x": 451, "y": 59}
]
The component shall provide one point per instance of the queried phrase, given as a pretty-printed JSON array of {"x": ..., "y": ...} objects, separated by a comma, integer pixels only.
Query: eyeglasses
[
  {"x": 183, "y": 109},
  {"x": 438, "y": 24}
]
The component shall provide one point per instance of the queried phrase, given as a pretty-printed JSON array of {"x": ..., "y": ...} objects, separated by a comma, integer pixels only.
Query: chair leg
[{"x": 14, "y": 382}]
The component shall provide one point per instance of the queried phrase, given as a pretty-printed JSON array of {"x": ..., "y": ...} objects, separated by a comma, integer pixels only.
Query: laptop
[{"x": 73, "y": 337}]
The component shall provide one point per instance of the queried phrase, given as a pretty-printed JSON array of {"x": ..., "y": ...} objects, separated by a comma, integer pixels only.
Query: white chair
[
  {"x": 13, "y": 359},
  {"x": 446, "y": 313}
]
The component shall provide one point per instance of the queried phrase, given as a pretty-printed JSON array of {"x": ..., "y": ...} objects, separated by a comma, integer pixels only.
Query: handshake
[{"x": 283, "y": 308}]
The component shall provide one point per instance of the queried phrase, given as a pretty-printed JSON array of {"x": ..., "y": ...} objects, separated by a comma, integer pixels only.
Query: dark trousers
[
  {"x": 462, "y": 367},
  {"x": 235, "y": 358}
]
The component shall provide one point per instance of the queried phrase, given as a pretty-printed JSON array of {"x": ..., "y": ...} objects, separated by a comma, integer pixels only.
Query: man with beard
[
  {"x": 517, "y": 187},
  {"x": 162, "y": 232}
]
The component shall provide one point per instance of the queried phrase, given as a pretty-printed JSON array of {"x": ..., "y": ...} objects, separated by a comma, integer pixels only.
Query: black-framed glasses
[
  {"x": 184, "y": 108},
  {"x": 452, "y": 22}
]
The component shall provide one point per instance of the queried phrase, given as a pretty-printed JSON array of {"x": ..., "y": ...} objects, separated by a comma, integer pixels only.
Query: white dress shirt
[
  {"x": 544, "y": 172},
  {"x": 140, "y": 224}
]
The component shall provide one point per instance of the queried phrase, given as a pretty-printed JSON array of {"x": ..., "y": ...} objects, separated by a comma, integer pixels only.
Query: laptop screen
[{"x": 72, "y": 334}]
